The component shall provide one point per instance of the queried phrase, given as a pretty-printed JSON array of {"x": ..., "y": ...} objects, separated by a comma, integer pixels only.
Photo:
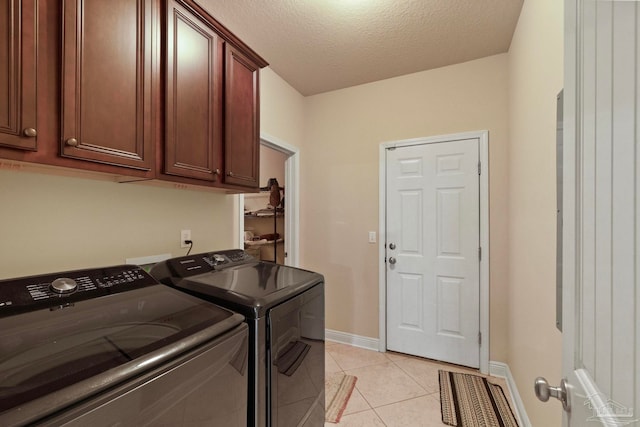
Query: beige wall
[
  {"x": 53, "y": 223},
  {"x": 339, "y": 201},
  {"x": 282, "y": 109},
  {"x": 271, "y": 165},
  {"x": 536, "y": 77}
]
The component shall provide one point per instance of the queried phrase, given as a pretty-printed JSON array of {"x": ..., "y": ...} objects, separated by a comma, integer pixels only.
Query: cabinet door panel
[
  {"x": 194, "y": 103},
  {"x": 18, "y": 74},
  {"x": 106, "y": 94},
  {"x": 242, "y": 147}
]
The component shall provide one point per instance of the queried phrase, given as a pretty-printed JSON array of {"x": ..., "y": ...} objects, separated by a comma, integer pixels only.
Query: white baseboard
[
  {"x": 351, "y": 339},
  {"x": 499, "y": 369}
]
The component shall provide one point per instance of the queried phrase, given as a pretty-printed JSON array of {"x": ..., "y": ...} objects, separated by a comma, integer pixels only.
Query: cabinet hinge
[
  {"x": 479, "y": 168},
  {"x": 479, "y": 338},
  {"x": 480, "y": 254}
]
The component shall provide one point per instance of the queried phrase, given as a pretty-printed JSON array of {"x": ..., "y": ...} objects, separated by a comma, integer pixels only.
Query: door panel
[
  {"x": 18, "y": 74},
  {"x": 106, "y": 105},
  {"x": 601, "y": 342},
  {"x": 242, "y": 128},
  {"x": 194, "y": 97},
  {"x": 433, "y": 221}
]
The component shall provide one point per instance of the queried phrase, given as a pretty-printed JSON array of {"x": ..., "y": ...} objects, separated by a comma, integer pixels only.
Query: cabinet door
[
  {"x": 18, "y": 74},
  {"x": 194, "y": 96},
  {"x": 106, "y": 86},
  {"x": 242, "y": 145}
]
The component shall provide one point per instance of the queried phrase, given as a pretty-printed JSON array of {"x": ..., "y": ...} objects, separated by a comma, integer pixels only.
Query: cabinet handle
[
  {"x": 72, "y": 142},
  {"x": 30, "y": 132},
  {"x": 216, "y": 172},
  {"x": 230, "y": 173}
]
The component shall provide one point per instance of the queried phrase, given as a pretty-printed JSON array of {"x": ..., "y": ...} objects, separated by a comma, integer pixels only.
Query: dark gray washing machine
[
  {"x": 284, "y": 308},
  {"x": 112, "y": 346}
]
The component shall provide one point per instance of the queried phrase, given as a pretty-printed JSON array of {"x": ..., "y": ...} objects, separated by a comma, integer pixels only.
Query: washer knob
[
  {"x": 64, "y": 285},
  {"x": 218, "y": 258}
]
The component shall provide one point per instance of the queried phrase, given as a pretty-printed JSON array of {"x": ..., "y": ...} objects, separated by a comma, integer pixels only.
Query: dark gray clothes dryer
[{"x": 284, "y": 308}]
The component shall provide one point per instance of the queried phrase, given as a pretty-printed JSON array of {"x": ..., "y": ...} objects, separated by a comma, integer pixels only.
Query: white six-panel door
[{"x": 432, "y": 254}]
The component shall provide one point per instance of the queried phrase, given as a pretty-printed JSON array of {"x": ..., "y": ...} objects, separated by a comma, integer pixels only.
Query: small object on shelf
[
  {"x": 270, "y": 236},
  {"x": 274, "y": 188}
]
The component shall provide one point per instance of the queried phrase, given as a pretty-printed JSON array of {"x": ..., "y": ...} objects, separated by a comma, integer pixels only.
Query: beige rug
[
  {"x": 471, "y": 401},
  {"x": 338, "y": 389}
]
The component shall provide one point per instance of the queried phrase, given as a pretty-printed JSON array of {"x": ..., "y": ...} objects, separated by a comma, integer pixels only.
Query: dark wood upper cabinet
[
  {"x": 194, "y": 76},
  {"x": 242, "y": 127},
  {"x": 211, "y": 113},
  {"x": 106, "y": 82},
  {"x": 18, "y": 128}
]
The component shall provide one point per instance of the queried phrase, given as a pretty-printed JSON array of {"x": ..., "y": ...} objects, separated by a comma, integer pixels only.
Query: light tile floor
[{"x": 393, "y": 389}]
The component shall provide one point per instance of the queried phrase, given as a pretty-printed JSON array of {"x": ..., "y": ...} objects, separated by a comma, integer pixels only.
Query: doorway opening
[
  {"x": 266, "y": 233},
  {"x": 416, "y": 167}
]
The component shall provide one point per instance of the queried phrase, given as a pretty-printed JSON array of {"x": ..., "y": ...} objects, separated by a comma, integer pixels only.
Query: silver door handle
[
  {"x": 544, "y": 391},
  {"x": 392, "y": 260},
  {"x": 392, "y": 246}
]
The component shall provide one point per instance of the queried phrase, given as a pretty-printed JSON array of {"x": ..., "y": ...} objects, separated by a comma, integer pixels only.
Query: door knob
[
  {"x": 544, "y": 391},
  {"x": 392, "y": 246},
  {"x": 392, "y": 260}
]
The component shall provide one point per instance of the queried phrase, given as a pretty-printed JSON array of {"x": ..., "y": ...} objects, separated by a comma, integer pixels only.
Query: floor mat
[{"x": 468, "y": 400}]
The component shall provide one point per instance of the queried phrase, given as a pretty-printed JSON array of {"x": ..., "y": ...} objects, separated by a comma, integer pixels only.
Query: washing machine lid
[
  {"x": 63, "y": 354},
  {"x": 248, "y": 287}
]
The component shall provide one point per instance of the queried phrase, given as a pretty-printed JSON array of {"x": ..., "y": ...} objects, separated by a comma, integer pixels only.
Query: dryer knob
[{"x": 64, "y": 285}]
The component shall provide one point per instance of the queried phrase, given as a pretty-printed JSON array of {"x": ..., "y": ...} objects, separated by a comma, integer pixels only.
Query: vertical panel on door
[
  {"x": 448, "y": 222},
  {"x": 106, "y": 93},
  {"x": 449, "y": 306},
  {"x": 411, "y": 213},
  {"x": 18, "y": 63},
  {"x": 242, "y": 127},
  {"x": 194, "y": 97},
  {"x": 412, "y": 290}
]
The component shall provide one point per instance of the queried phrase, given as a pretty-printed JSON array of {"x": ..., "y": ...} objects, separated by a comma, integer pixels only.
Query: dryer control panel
[{"x": 200, "y": 263}]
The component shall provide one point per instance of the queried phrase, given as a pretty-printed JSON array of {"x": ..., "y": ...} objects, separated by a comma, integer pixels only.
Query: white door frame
[
  {"x": 292, "y": 201},
  {"x": 483, "y": 138}
]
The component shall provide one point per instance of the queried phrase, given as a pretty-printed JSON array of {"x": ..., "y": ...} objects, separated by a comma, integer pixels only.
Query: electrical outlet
[{"x": 184, "y": 235}]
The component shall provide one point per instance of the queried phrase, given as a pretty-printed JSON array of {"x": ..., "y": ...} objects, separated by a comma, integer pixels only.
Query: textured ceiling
[{"x": 323, "y": 45}]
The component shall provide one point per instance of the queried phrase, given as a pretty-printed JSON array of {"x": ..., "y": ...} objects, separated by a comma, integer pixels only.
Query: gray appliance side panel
[
  {"x": 205, "y": 386},
  {"x": 296, "y": 332}
]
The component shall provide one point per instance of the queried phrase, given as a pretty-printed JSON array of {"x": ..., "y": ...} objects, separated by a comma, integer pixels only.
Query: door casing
[
  {"x": 483, "y": 140},
  {"x": 291, "y": 208}
]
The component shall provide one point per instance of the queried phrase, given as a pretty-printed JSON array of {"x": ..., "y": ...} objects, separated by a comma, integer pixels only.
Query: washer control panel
[
  {"x": 34, "y": 292},
  {"x": 200, "y": 263}
]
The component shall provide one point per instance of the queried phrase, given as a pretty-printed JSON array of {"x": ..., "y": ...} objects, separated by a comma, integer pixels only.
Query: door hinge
[
  {"x": 479, "y": 168},
  {"x": 479, "y": 338},
  {"x": 391, "y": 148},
  {"x": 480, "y": 254},
  {"x": 286, "y": 254}
]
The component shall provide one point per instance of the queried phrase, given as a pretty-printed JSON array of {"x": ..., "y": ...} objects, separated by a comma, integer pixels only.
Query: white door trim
[
  {"x": 483, "y": 138},
  {"x": 292, "y": 199}
]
